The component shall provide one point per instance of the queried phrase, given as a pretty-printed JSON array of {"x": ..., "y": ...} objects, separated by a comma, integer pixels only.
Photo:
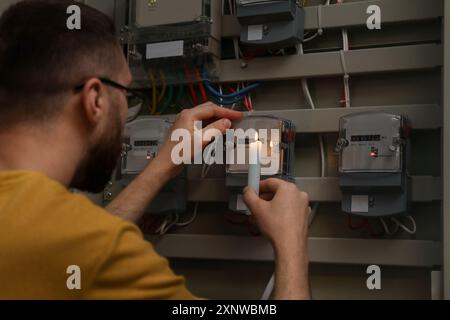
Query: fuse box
[
  {"x": 373, "y": 164},
  {"x": 143, "y": 139},
  {"x": 279, "y": 137},
  {"x": 166, "y": 37},
  {"x": 270, "y": 24}
]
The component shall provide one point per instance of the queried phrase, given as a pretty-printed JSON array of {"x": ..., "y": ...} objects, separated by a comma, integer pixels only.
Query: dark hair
[{"x": 40, "y": 57}]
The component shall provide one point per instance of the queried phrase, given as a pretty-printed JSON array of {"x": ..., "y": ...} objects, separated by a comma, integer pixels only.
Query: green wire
[
  {"x": 191, "y": 100},
  {"x": 180, "y": 96},
  {"x": 168, "y": 100}
]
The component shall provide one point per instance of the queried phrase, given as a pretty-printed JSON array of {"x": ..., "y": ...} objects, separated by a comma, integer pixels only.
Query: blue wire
[
  {"x": 231, "y": 95},
  {"x": 236, "y": 94},
  {"x": 227, "y": 102}
]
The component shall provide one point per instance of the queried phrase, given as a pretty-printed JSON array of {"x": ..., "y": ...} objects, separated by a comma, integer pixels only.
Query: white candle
[{"x": 254, "y": 169}]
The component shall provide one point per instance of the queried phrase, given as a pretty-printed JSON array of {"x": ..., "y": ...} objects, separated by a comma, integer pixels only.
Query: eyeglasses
[{"x": 134, "y": 97}]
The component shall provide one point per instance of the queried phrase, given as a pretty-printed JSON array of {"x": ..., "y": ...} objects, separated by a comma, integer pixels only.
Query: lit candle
[{"x": 254, "y": 169}]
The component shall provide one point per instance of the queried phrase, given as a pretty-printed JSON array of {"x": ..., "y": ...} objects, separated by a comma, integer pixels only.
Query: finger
[
  {"x": 209, "y": 111},
  {"x": 254, "y": 203},
  {"x": 221, "y": 125},
  {"x": 271, "y": 185},
  {"x": 216, "y": 129},
  {"x": 267, "y": 196}
]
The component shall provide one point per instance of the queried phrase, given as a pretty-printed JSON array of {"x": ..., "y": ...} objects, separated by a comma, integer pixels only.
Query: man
[{"x": 63, "y": 108}]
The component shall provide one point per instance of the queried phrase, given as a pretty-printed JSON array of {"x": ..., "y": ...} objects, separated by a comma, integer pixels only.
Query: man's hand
[
  {"x": 282, "y": 213},
  {"x": 212, "y": 117},
  {"x": 131, "y": 203}
]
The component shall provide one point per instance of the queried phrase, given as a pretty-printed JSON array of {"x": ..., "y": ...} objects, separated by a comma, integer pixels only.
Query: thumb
[{"x": 254, "y": 203}]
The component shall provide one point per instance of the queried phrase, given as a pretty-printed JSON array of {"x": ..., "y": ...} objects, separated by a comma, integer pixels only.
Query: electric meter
[{"x": 373, "y": 164}]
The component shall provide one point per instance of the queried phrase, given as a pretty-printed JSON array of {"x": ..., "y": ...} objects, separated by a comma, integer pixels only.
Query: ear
[{"x": 94, "y": 101}]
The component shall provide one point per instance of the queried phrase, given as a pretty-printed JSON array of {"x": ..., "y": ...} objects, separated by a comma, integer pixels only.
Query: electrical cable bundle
[{"x": 228, "y": 99}]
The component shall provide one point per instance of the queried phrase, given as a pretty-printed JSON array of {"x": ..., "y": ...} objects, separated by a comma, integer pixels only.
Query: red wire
[
  {"x": 252, "y": 55},
  {"x": 246, "y": 100},
  {"x": 359, "y": 226},
  {"x": 200, "y": 84},
  {"x": 249, "y": 102},
  {"x": 373, "y": 233},
  {"x": 344, "y": 98},
  {"x": 191, "y": 85},
  {"x": 365, "y": 224}
]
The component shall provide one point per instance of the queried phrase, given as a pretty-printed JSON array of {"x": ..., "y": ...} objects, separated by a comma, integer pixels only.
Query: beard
[{"x": 96, "y": 170}]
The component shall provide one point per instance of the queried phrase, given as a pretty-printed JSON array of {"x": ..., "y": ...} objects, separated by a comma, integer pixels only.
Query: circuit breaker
[
  {"x": 373, "y": 164},
  {"x": 167, "y": 36},
  {"x": 280, "y": 138},
  {"x": 270, "y": 24},
  {"x": 143, "y": 140}
]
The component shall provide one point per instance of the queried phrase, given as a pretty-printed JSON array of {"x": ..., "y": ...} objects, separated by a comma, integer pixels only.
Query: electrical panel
[
  {"x": 280, "y": 137},
  {"x": 167, "y": 37},
  {"x": 373, "y": 164},
  {"x": 270, "y": 24},
  {"x": 164, "y": 12},
  {"x": 143, "y": 139}
]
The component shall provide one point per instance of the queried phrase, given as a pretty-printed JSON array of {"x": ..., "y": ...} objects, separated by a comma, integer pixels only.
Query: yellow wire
[
  {"x": 164, "y": 86},
  {"x": 154, "y": 97}
]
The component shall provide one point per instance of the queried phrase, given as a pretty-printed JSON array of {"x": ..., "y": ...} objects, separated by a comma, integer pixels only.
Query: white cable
[
  {"x": 322, "y": 157},
  {"x": 205, "y": 170},
  {"x": 343, "y": 62},
  {"x": 307, "y": 94},
  {"x": 230, "y": 7},
  {"x": 399, "y": 225},
  {"x": 312, "y": 37},
  {"x": 346, "y": 79},
  {"x": 221, "y": 92},
  {"x": 167, "y": 224},
  {"x": 319, "y": 18},
  {"x": 345, "y": 42},
  {"x": 237, "y": 49},
  {"x": 345, "y": 47},
  {"x": 209, "y": 150},
  {"x": 269, "y": 289},
  {"x": 386, "y": 228},
  {"x": 194, "y": 216},
  {"x": 319, "y": 31},
  {"x": 405, "y": 228},
  {"x": 346, "y": 76}
]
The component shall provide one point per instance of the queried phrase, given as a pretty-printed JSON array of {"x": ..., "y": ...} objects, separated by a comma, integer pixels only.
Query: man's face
[{"x": 96, "y": 169}]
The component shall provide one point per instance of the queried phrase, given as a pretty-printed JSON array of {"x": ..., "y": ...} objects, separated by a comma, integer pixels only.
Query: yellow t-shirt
[{"x": 45, "y": 229}]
